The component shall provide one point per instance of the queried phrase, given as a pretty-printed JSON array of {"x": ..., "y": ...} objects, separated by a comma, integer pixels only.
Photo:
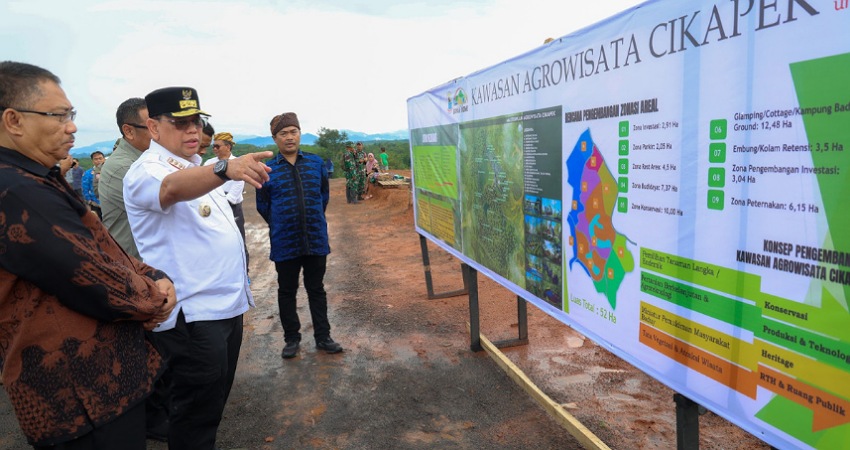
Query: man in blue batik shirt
[{"x": 293, "y": 203}]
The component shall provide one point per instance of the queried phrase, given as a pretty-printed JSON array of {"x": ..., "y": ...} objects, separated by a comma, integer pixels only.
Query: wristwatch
[{"x": 220, "y": 169}]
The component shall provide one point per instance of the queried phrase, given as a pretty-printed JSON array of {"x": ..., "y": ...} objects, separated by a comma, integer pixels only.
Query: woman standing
[{"x": 371, "y": 164}]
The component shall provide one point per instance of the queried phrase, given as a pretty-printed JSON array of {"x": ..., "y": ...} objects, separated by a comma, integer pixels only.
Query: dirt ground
[{"x": 407, "y": 378}]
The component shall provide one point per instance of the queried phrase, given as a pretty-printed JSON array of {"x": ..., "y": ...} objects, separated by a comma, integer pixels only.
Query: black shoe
[
  {"x": 290, "y": 350},
  {"x": 328, "y": 345}
]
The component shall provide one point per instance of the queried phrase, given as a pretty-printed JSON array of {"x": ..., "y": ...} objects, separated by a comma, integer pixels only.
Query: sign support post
[
  {"x": 687, "y": 422},
  {"x": 474, "y": 317},
  {"x": 429, "y": 284}
]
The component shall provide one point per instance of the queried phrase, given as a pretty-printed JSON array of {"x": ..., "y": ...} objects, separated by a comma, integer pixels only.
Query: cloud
[{"x": 339, "y": 64}]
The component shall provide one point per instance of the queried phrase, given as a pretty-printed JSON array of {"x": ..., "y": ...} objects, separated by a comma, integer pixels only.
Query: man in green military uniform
[
  {"x": 360, "y": 156},
  {"x": 349, "y": 166}
]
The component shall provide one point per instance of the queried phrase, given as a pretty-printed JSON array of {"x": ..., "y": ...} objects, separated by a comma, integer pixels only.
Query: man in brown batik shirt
[{"x": 73, "y": 306}]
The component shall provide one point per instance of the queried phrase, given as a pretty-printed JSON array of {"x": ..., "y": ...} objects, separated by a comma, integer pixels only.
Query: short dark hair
[
  {"x": 19, "y": 83},
  {"x": 208, "y": 129},
  {"x": 96, "y": 152},
  {"x": 128, "y": 112}
]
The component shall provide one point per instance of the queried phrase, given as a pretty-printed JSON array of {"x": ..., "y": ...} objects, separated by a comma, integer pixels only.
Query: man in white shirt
[
  {"x": 233, "y": 189},
  {"x": 179, "y": 222},
  {"x": 131, "y": 117}
]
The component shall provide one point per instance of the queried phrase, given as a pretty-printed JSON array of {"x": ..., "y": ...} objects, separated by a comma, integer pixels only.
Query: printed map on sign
[{"x": 597, "y": 247}]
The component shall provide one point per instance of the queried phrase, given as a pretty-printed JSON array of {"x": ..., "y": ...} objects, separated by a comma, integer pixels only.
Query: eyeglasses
[
  {"x": 183, "y": 124},
  {"x": 141, "y": 127},
  {"x": 64, "y": 117}
]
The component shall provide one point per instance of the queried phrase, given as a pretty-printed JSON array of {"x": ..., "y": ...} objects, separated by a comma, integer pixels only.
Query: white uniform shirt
[
  {"x": 232, "y": 189},
  {"x": 195, "y": 242}
]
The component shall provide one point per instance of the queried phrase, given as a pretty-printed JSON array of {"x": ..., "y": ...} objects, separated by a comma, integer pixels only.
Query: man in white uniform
[
  {"x": 179, "y": 223},
  {"x": 232, "y": 190}
]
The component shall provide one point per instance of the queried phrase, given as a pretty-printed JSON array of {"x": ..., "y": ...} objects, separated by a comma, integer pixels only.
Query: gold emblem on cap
[
  {"x": 204, "y": 210},
  {"x": 187, "y": 94}
]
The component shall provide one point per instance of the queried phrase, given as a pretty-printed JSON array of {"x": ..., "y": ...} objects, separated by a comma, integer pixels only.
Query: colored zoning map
[{"x": 597, "y": 247}]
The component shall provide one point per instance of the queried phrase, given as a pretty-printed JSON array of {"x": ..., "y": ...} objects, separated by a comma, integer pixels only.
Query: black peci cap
[{"x": 175, "y": 101}]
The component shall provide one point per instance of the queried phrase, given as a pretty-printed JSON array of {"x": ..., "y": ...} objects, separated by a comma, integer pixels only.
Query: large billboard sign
[{"x": 675, "y": 183}]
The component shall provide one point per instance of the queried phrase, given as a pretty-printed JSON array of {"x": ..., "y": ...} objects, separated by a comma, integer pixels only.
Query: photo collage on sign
[{"x": 543, "y": 266}]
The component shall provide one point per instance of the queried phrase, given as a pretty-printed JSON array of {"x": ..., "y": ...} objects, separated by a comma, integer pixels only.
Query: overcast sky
[{"x": 342, "y": 64}]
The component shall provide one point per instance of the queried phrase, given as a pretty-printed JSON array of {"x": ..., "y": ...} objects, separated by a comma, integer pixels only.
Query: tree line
[{"x": 330, "y": 145}]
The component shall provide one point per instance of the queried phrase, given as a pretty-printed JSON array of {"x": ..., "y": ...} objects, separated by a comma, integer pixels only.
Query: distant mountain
[
  {"x": 365, "y": 137},
  {"x": 262, "y": 141},
  {"x": 85, "y": 152},
  {"x": 310, "y": 138},
  {"x": 258, "y": 141}
]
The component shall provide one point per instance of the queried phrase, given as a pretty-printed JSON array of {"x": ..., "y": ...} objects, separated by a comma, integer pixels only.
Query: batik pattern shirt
[
  {"x": 72, "y": 347},
  {"x": 293, "y": 203}
]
